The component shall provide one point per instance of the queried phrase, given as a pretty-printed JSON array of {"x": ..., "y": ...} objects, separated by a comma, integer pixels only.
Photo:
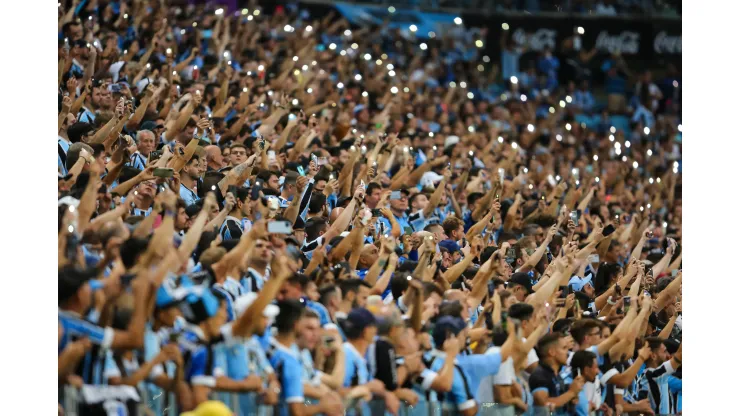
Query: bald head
[
  {"x": 214, "y": 158},
  {"x": 335, "y": 214}
]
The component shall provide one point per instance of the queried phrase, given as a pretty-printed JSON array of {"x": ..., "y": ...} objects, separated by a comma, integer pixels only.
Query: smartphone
[
  {"x": 262, "y": 143},
  {"x": 279, "y": 227},
  {"x": 174, "y": 337},
  {"x": 627, "y": 302},
  {"x": 395, "y": 195},
  {"x": 551, "y": 180},
  {"x": 510, "y": 255},
  {"x": 271, "y": 155},
  {"x": 362, "y": 183},
  {"x": 574, "y": 217},
  {"x": 501, "y": 175},
  {"x": 376, "y": 213},
  {"x": 155, "y": 155},
  {"x": 255, "y": 192},
  {"x": 608, "y": 230},
  {"x": 504, "y": 319},
  {"x": 593, "y": 258},
  {"x": 164, "y": 172},
  {"x": 563, "y": 292},
  {"x": 315, "y": 159}
]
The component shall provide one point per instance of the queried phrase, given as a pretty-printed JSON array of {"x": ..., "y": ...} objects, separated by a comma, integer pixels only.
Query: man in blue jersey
[
  {"x": 284, "y": 359},
  {"x": 360, "y": 328},
  {"x": 548, "y": 389},
  {"x": 75, "y": 293},
  {"x": 653, "y": 383},
  {"x": 145, "y": 144},
  {"x": 470, "y": 369}
]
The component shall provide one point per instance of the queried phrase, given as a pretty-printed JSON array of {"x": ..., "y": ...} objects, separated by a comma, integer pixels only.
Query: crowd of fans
[{"x": 263, "y": 209}]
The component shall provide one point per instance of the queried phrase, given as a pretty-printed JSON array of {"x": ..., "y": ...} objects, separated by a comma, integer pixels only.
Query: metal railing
[{"x": 248, "y": 404}]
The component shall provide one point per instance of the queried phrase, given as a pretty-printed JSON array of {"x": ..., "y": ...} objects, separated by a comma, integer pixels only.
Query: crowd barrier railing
[{"x": 153, "y": 402}]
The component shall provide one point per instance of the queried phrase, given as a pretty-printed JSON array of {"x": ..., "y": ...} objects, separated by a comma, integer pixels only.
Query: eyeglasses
[{"x": 238, "y": 153}]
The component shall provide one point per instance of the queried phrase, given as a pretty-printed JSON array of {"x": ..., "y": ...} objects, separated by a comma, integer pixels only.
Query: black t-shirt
[
  {"x": 382, "y": 359},
  {"x": 544, "y": 377}
]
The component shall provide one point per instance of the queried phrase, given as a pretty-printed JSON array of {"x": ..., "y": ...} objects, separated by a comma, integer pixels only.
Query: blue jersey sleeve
[
  {"x": 198, "y": 372},
  {"x": 460, "y": 394},
  {"x": 289, "y": 370},
  {"x": 674, "y": 384},
  {"x": 349, "y": 369}
]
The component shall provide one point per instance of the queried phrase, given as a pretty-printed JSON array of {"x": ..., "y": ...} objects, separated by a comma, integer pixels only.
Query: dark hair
[
  {"x": 316, "y": 203},
  {"x": 654, "y": 342},
  {"x": 562, "y": 325},
  {"x": 448, "y": 308},
  {"x": 451, "y": 224},
  {"x": 521, "y": 311},
  {"x": 430, "y": 288},
  {"x": 582, "y": 359},
  {"x": 352, "y": 285},
  {"x": 582, "y": 327},
  {"x": 371, "y": 187},
  {"x": 131, "y": 249},
  {"x": 544, "y": 345},
  {"x": 326, "y": 292},
  {"x": 290, "y": 313},
  {"x": 604, "y": 276},
  {"x": 314, "y": 226},
  {"x": 399, "y": 284}
]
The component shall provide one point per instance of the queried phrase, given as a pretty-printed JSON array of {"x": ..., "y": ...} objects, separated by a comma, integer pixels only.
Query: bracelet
[{"x": 610, "y": 301}]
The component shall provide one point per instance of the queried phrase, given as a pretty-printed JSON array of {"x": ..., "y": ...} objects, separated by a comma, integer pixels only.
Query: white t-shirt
[
  {"x": 531, "y": 359},
  {"x": 504, "y": 377}
]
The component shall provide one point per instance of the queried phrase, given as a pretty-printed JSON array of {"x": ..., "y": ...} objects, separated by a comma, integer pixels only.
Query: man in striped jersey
[
  {"x": 653, "y": 383},
  {"x": 145, "y": 144}
]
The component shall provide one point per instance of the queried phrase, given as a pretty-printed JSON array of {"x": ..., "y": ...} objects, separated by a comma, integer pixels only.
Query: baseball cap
[
  {"x": 449, "y": 245},
  {"x": 429, "y": 179},
  {"x": 446, "y": 325},
  {"x": 150, "y": 125},
  {"x": 522, "y": 279},
  {"x": 451, "y": 141},
  {"x": 578, "y": 283},
  {"x": 360, "y": 318},
  {"x": 243, "y": 302},
  {"x": 71, "y": 279},
  {"x": 210, "y": 408}
]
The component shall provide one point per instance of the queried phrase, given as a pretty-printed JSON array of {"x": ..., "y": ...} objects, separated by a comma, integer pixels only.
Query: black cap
[
  {"x": 360, "y": 318},
  {"x": 523, "y": 279},
  {"x": 71, "y": 279},
  {"x": 445, "y": 326}
]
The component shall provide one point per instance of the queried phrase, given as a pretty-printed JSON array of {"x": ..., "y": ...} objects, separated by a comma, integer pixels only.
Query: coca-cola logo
[
  {"x": 625, "y": 42},
  {"x": 664, "y": 43},
  {"x": 539, "y": 40}
]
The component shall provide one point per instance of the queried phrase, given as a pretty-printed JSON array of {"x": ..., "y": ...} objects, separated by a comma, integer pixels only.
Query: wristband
[
  {"x": 610, "y": 301},
  {"x": 169, "y": 213}
]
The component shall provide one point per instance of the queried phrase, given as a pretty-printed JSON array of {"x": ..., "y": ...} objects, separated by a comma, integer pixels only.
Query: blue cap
[
  {"x": 445, "y": 326},
  {"x": 449, "y": 245},
  {"x": 360, "y": 318},
  {"x": 578, "y": 283}
]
